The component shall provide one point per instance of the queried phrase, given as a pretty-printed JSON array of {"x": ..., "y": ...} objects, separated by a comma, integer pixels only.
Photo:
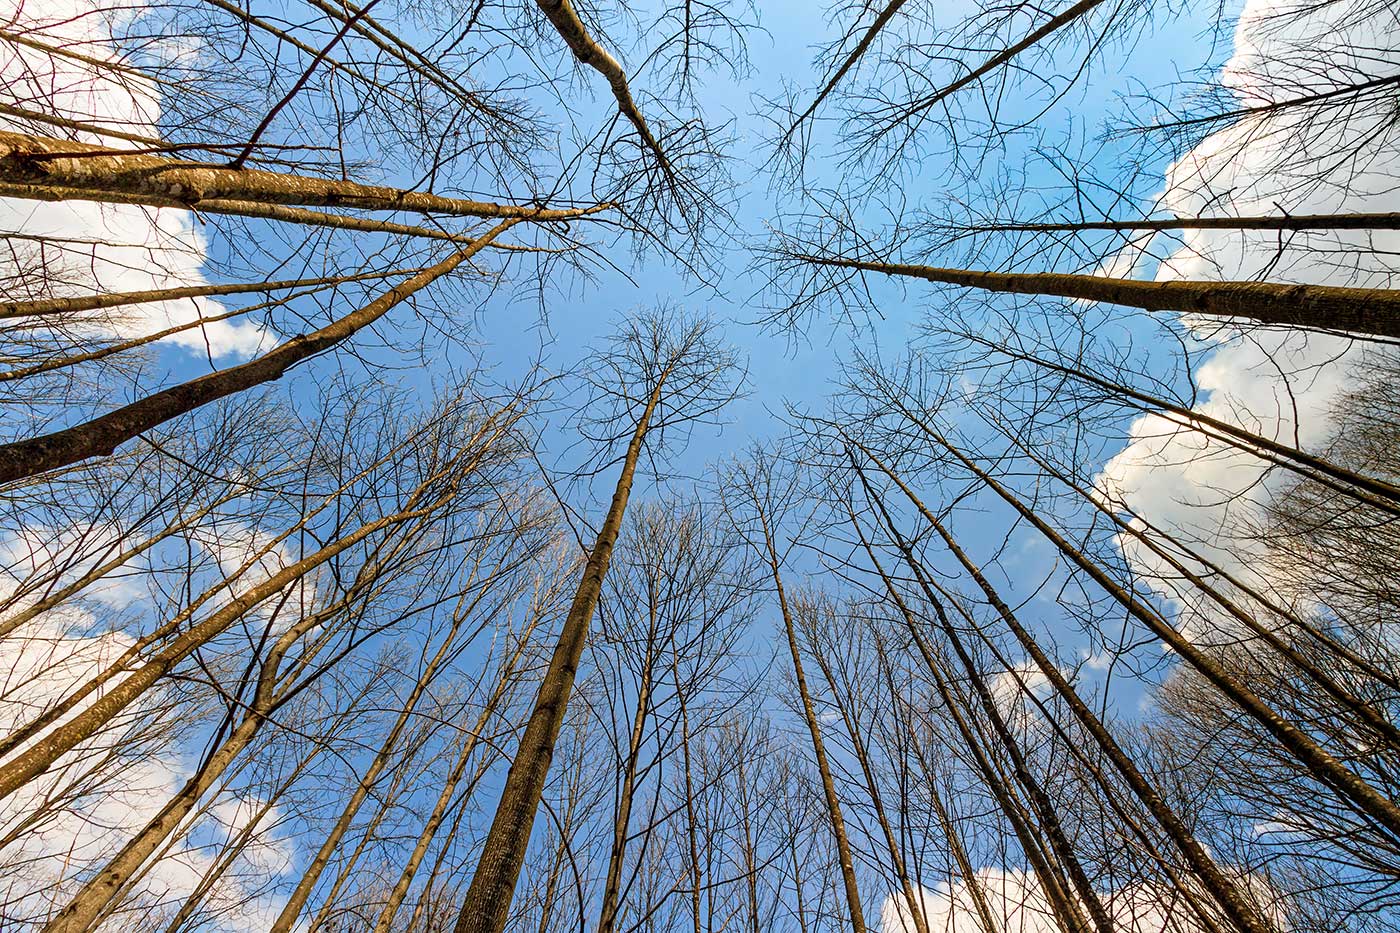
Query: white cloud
[
  {"x": 1013, "y": 691},
  {"x": 41, "y": 558},
  {"x": 1015, "y": 897},
  {"x": 113, "y": 247},
  {"x": 74, "y": 818},
  {"x": 59, "y": 556},
  {"x": 268, "y": 853},
  {"x": 1280, "y": 385},
  {"x": 1018, "y": 905}
]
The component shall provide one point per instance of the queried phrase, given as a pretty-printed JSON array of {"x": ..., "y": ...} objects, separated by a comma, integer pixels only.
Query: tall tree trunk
[
  {"x": 487, "y": 904},
  {"x": 48, "y": 169},
  {"x": 882, "y": 18},
  {"x": 247, "y": 834},
  {"x": 1221, "y": 888},
  {"x": 1373, "y": 311},
  {"x": 434, "y": 822},
  {"x": 299, "y": 896},
  {"x": 691, "y": 829},
  {"x": 101, "y": 435},
  {"x": 92, "y": 900},
  {"x": 907, "y": 884},
  {"x": 1370, "y": 489},
  {"x": 1385, "y": 220},
  {"x": 1040, "y": 801},
  {"x": 607, "y": 914},
  {"x": 449, "y": 787},
  {"x": 809, "y": 714},
  {"x": 1046, "y": 29},
  {"x": 80, "y": 303},
  {"x": 47, "y": 749},
  {"x": 1317, "y": 760},
  {"x": 750, "y": 848},
  {"x": 962, "y": 859},
  {"x": 1066, "y": 911},
  {"x": 401, "y": 780},
  {"x": 565, "y": 20}
]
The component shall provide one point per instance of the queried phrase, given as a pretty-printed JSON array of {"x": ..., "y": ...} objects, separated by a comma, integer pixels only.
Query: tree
[
  {"x": 762, "y": 488},
  {"x": 672, "y": 622},
  {"x": 1070, "y": 534},
  {"x": 662, "y": 373}
]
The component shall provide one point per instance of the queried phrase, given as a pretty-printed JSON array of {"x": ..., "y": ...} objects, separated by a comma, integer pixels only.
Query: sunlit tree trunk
[{"x": 487, "y": 903}]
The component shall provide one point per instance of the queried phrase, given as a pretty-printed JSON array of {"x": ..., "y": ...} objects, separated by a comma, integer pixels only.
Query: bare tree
[{"x": 662, "y": 374}]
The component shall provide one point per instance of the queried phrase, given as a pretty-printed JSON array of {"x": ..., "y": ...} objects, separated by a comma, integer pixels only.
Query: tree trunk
[
  {"x": 1356, "y": 221},
  {"x": 607, "y": 915},
  {"x": 1369, "y": 489},
  {"x": 80, "y": 303},
  {"x": 1066, "y": 910},
  {"x": 853, "y": 727},
  {"x": 809, "y": 713},
  {"x": 1373, "y": 311},
  {"x": 91, "y": 901},
  {"x": 49, "y": 748},
  {"x": 102, "y": 435},
  {"x": 47, "y": 169},
  {"x": 299, "y": 896},
  {"x": 1320, "y": 763},
  {"x": 487, "y": 904},
  {"x": 1224, "y": 891}
]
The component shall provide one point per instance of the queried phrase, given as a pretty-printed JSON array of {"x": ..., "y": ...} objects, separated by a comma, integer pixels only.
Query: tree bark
[
  {"x": 1040, "y": 801},
  {"x": 809, "y": 713},
  {"x": 1317, "y": 760},
  {"x": 1382, "y": 220},
  {"x": 101, "y": 435},
  {"x": 886, "y": 13},
  {"x": 1068, "y": 916},
  {"x": 92, "y": 900},
  {"x": 1374, "y": 491},
  {"x": 1055, "y": 23},
  {"x": 1221, "y": 888},
  {"x": 877, "y": 803},
  {"x": 612, "y": 883},
  {"x": 49, "y": 748},
  {"x": 565, "y": 20},
  {"x": 76, "y": 304},
  {"x": 1373, "y": 311},
  {"x": 299, "y": 896},
  {"x": 487, "y": 904},
  {"x": 47, "y": 169}
]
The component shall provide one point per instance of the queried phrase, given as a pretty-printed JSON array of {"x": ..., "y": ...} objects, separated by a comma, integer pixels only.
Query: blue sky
[
  {"x": 784, "y": 366},
  {"x": 798, "y": 369},
  {"x": 787, "y": 368}
]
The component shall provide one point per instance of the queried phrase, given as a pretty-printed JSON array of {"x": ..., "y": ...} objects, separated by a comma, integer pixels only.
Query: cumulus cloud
[
  {"x": 35, "y": 559},
  {"x": 1014, "y": 690},
  {"x": 1018, "y": 904},
  {"x": 32, "y": 553},
  {"x": 1281, "y": 385},
  {"x": 72, "y": 820},
  {"x": 82, "y": 246},
  {"x": 949, "y": 908}
]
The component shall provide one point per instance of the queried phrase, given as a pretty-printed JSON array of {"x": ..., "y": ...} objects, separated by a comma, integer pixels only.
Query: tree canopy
[{"x": 686, "y": 467}]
